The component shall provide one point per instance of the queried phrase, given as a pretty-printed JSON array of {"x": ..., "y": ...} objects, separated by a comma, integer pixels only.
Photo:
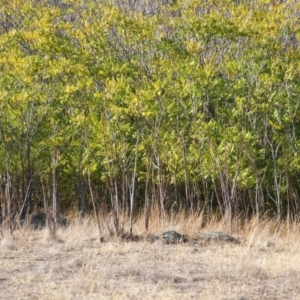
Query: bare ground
[{"x": 78, "y": 266}]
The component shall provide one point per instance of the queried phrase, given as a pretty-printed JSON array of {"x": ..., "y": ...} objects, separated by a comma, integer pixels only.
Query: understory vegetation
[{"x": 121, "y": 107}]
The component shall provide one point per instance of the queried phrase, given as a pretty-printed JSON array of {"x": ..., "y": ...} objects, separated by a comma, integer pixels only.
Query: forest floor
[{"x": 265, "y": 265}]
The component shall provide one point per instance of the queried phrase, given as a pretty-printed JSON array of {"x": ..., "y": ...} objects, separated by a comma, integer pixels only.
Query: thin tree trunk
[
  {"x": 147, "y": 206},
  {"x": 8, "y": 203},
  {"x": 132, "y": 190},
  {"x": 116, "y": 207},
  {"x": 7, "y": 214},
  {"x": 54, "y": 191},
  {"x": 186, "y": 182},
  {"x": 49, "y": 223},
  {"x": 95, "y": 207},
  {"x": 81, "y": 201},
  {"x": 27, "y": 198},
  {"x": 161, "y": 188}
]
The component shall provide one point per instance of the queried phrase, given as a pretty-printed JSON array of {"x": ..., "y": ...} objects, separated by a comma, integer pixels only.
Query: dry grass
[{"x": 266, "y": 265}]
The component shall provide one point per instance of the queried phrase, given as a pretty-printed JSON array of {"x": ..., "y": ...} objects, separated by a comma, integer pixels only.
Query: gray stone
[
  {"x": 218, "y": 236},
  {"x": 173, "y": 237}
]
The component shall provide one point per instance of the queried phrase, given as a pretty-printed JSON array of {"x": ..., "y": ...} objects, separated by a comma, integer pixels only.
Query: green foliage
[{"x": 205, "y": 92}]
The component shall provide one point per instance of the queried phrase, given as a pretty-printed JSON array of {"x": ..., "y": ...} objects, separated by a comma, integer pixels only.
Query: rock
[
  {"x": 173, "y": 237},
  {"x": 218, "y": 236}
]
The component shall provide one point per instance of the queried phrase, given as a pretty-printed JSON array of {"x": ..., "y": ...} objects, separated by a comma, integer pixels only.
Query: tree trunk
[
  {"x": 54, "y": 191},
  {"x": 95, "y": 206},
  {"x": 132, "y": 190}
]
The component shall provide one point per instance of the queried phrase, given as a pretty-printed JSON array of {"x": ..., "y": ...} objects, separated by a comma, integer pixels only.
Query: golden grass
[{"x": 266, "y": 265}]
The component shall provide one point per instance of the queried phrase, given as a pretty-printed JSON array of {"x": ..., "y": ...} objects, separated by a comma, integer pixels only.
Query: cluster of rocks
[
  {"x": 38, "y": 221},
  {"x": 173, "y": 237}
]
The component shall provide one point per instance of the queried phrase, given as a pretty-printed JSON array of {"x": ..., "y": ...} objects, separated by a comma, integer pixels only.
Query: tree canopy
[{"x": 188, "y": 105}]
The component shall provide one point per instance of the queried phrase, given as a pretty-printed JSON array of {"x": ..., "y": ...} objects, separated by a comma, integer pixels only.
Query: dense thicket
[{"x": 124, "y": 105}]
